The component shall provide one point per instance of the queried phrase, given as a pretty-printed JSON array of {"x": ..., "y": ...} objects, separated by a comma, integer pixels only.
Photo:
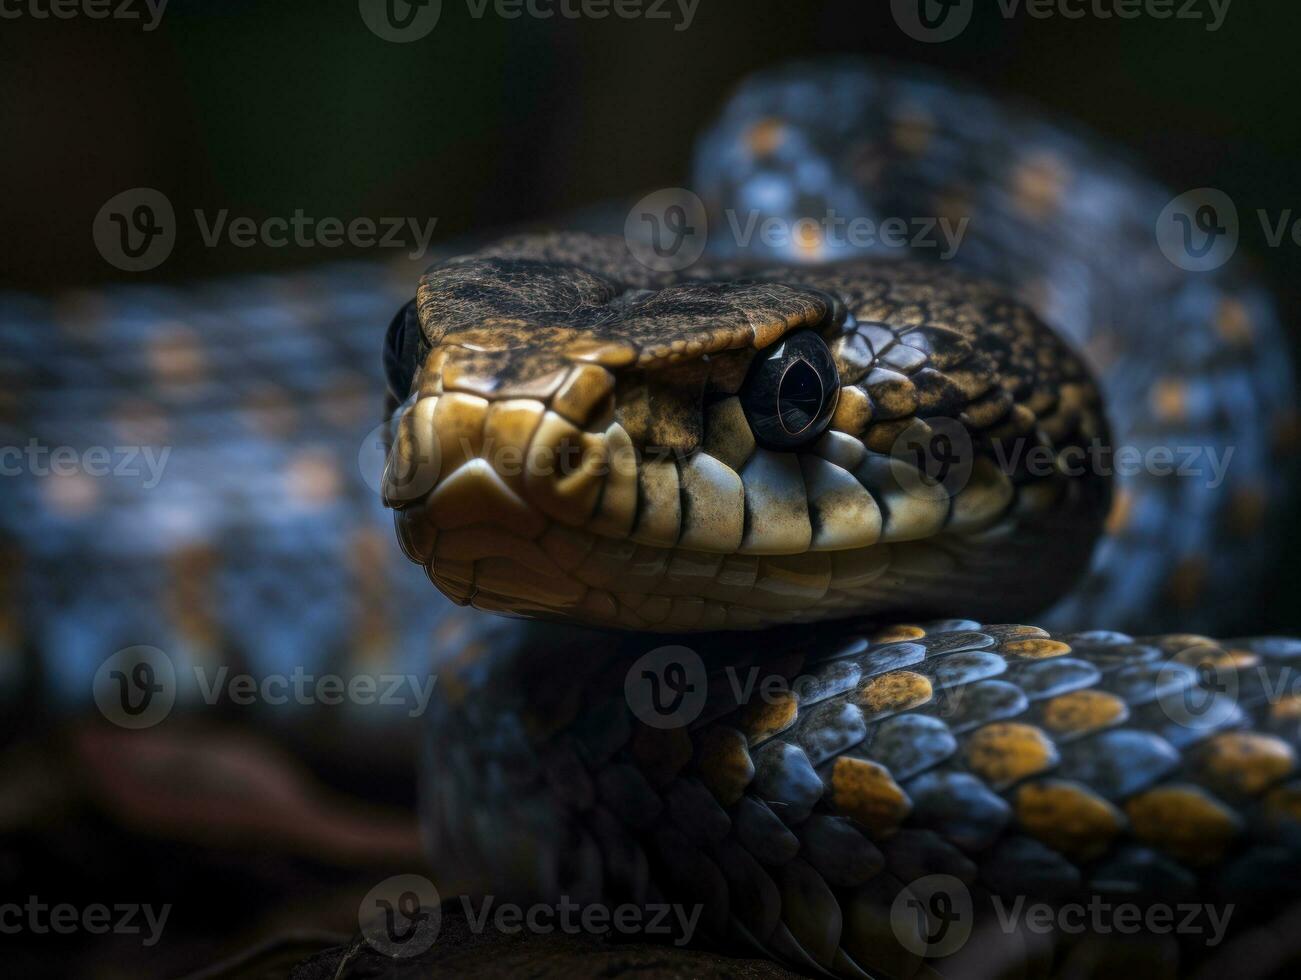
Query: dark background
[{"x": 267, "y": 107}]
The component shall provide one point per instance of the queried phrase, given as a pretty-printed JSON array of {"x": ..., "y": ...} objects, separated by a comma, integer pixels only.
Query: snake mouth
[
  {"x": 585, "y": 527},
  {"x": 546, "y": 471}
]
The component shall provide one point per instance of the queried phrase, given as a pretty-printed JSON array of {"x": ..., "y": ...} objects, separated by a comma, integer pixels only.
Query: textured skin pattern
[
  {"x": 257, "y": 543},
  {"x": 880, "y": 806},
  {"x": 828, "y": 772},
  {"x": 1068, "y": 226},
  {"x": 668, "y": 516}
]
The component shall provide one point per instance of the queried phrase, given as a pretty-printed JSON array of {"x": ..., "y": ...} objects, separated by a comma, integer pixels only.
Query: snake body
[{"x": 833, "y": 764}]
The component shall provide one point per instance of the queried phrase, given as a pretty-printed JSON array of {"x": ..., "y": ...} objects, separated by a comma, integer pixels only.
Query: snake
[{"x": 792, "y": 629}]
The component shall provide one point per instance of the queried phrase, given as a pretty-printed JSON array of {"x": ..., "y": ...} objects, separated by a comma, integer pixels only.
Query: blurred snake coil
[{"x": 768, "y": 668}]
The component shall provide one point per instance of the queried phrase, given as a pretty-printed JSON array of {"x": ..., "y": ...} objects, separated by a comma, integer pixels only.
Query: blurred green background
[{"x": 263, "y": 108}]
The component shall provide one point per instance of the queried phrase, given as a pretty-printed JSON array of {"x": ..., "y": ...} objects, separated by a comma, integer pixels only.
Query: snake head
[{"x": 581, "y": 438}]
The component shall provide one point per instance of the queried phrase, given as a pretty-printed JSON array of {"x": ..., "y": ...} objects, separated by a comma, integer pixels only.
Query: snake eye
[
  {"x": 791, "y": 391},
  {"x": 401, "y": 350}
]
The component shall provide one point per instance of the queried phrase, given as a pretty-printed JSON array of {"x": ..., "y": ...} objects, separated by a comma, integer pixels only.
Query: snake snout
[
  {"x": 479, "y": 484},
  {"x": 733, "y": 454}
]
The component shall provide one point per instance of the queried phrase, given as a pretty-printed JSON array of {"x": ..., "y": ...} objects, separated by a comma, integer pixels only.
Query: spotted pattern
[{"x": 808, "y": 809}]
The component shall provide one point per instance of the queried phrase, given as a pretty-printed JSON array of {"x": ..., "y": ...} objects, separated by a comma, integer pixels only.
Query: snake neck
[{"x": 1188, "y": 348}]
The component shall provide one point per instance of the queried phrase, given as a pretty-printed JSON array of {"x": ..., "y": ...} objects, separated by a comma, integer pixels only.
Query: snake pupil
[
  {"x": 799, "y": 397},
  {"x": 791, "y": 390}
]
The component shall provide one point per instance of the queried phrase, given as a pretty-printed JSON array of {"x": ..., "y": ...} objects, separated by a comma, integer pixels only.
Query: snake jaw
[{"x": 595, "y": 466}]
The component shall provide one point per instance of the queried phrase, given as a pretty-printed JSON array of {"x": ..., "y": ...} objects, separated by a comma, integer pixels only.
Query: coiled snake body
[{"x": 738, "y": 453}]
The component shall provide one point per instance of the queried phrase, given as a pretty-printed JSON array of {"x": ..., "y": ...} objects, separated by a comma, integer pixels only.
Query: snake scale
[{"x": 833, "y": 742}]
